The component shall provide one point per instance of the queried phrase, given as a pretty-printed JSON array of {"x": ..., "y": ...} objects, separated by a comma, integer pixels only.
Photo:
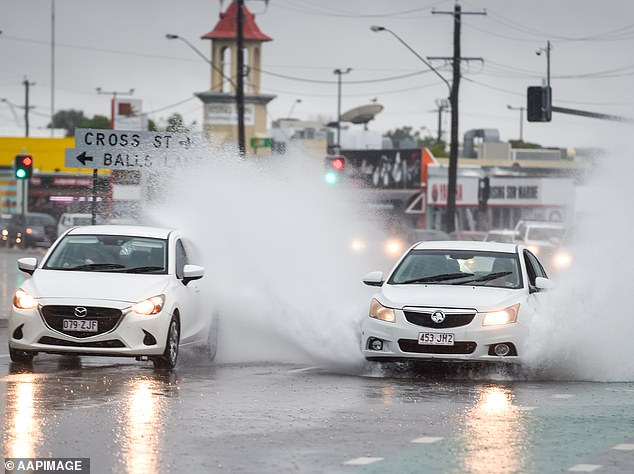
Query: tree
[
  {"x": 68, "y": 120},
  {"x": 407, "y": 134},
  {"x": 175, "y": 123},
  {"x": 98, "y": 121}
]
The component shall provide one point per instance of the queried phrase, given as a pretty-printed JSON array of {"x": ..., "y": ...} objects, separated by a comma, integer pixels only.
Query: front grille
[
  {"x": 412, "y": 345},
  {"x": 53, "y": 341},
  {"x": 452, "y": 320},
  {"x": 107, "y": 318}
]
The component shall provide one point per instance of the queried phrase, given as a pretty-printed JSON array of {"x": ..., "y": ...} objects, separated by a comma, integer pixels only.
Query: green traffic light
[
  {"x": 331, "y": 177},
  {"x": 20, "y": 174}
]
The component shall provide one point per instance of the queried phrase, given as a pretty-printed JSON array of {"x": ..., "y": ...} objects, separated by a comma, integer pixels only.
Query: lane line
[
  {"x": 563, "y": 396},
  {"x": 362, "y": 461},
  {"x": 624, "y": 447},
  {"x": 526, "y": 408},
  {"x": 426, "y": 440},
  {"x": 585, "y": 468}
]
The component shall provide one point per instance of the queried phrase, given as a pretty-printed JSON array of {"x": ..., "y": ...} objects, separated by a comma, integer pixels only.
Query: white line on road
[
  {"x": 563, "y": 396},
  {"x": 426, "y": 440},
  {"x": 362, "y": 461},
  {"x": 4, "y": 355},
  {"x": 624, "y": 447},
  {"x": 526, "y": 408},
  {"x": 585, "y": 468}
]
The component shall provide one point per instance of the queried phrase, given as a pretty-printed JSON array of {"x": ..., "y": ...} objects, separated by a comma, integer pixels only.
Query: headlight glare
[
  {"x": 378, "y": 311},
  {"x": 149, "y": 306},
  {"x": 24, "y": 300},
  {"x": 505, "y": 316},
  {"x": 394, "y": 247},
  {"x": 562, "y": 260}
]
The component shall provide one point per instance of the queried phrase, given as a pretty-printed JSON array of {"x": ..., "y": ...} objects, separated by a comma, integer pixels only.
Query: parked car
[
  {"x": 33, "y": 229},
  {"x": 454, "y": 301},
  {"x": 72, "y": 219},
  {"x": 112, "y": 291}
]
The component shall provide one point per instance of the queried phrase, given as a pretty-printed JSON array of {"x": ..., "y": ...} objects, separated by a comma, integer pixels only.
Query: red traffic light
[
  {"x": 27, "y": 160},
  {"x": 338, "y": 163}
]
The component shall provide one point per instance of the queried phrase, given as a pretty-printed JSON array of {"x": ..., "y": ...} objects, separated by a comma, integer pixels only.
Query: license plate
[
  {"x": 435, "y": 338},
  {"x": 85, "y": 325}
]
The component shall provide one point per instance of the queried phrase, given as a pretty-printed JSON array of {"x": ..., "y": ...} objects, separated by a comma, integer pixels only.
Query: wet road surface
[{"x": 127, "y": 417}]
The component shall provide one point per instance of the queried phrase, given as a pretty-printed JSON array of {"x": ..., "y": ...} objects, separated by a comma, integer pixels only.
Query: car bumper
[
  {"x": 132, "y": 335},
  {"x": 472, "y": 342}
]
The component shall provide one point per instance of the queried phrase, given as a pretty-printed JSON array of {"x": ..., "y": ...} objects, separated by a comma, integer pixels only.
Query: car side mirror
[
  {"x": 373, "y": 278},
  {"x": 27, "y": 264},
  {"x": 542, "y": 283},
  {"x": 191, "y": 273}
]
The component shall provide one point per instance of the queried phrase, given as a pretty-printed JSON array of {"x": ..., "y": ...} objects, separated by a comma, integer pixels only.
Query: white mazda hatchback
[
  {"x": 454, "y": 301},
  {"x": 112, "y": 290}
]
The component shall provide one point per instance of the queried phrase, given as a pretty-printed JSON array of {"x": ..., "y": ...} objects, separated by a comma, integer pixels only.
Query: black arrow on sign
[{"x": 83, "y": 158}]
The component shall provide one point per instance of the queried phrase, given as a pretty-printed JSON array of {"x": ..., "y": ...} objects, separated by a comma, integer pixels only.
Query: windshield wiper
[
  {"x": 143, "y": 269},
  {"x": 490, "y": 276},
  {"x": 434, "y": 278},
  {"x": 97, "y": 266}
]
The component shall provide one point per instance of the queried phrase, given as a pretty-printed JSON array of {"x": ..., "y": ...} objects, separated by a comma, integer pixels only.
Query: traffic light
[
  {"x": 23, "y": 166},
  {"x": 334, "y": 169},
  {"x": 538, "y": 104},
  {"x": 484, "y": 192}
]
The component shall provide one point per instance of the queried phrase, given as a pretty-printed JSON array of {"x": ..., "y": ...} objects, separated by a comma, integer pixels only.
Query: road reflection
[
  {"x": 144, "y": 425},
  {"x": 22, "y": 427},
  {"x": 494, "y": 434}
]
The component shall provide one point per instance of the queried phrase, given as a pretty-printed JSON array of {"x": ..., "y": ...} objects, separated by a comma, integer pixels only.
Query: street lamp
[
  {"x": 453, "y": 147},
  {"x": 339, "y": 73},
  {"x": 521, "y": 109},
  {"x": 297, "y": 101},
  {"x": 549, "y": 99}
]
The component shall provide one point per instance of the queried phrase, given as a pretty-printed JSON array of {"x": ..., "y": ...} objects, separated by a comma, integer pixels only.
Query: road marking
[
  {"x": 585, "y": 468},
  {"x": 362, "y": 461},
  {"x": 624, "y": 447},
  {"x": 426, "y": 440},
  {"x": 563, "y": 396},
  {"x": 526, "y": 408},
  {"x": 4, "y": 355}
]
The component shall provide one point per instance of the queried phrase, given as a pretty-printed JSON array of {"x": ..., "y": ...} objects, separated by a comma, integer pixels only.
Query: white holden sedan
[
  {"x": 449, "y": 300},
  {"x": 112, "y": 291}
]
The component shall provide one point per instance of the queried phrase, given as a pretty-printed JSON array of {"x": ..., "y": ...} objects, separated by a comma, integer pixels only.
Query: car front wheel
[
  {"x": 21, "y": 357},
  {"x": 170, "y": 355}
]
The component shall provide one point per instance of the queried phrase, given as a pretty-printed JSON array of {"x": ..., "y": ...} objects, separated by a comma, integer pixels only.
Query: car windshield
[
  {"x": 109, "y": 253},
  {"x": 459, "y": 267}
]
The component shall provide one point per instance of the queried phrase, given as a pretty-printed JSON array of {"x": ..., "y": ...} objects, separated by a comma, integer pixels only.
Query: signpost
[
  {"x": 129, "y": 150},
  {"x": 134, "y": 150}
]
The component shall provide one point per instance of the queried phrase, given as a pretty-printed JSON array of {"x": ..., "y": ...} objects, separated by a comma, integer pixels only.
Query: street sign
[
  {"x": 134, "y": 150},
  {"x": 261, "y": 142}
]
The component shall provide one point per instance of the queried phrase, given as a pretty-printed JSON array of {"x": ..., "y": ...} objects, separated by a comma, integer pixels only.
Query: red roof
[{"x": 226, "y": 27}]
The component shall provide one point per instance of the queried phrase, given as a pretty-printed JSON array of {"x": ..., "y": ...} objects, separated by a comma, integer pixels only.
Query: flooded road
[{"x": 268, "y": 417}]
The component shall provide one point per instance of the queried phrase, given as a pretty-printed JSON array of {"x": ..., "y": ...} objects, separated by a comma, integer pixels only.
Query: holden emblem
[{"x": 438, "y": 317}]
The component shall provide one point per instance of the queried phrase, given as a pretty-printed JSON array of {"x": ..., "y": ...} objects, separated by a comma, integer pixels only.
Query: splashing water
[
  {"x": 274, "y": 241},
  {"x": 585, "y": 326}
]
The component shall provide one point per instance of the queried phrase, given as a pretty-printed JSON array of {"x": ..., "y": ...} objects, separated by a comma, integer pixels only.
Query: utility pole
[
  {"x": 240, "y": 77},
  {"x": 26, "y": 85},
  {"x": 339, "y": 72},
  {"x": 453, "y": 99}
]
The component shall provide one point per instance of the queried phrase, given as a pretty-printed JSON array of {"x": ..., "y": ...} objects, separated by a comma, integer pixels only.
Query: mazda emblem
[
  {"x": 81, "y": 312},
  {"x": 438, "y": 317}
]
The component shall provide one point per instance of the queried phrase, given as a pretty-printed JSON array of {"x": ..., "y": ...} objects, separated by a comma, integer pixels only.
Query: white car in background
[
  {"x": 454, "y": 301},
  {"x": 112, "y": 291},
  {"x": 70, "y": 219}
]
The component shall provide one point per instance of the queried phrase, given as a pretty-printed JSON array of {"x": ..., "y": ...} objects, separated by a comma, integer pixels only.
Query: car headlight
[
  {"x": 149, "y": 306},
  {"x": 24, "y": 300},
  {"x": 562, "y": 260},
  {"x": 394, "y": 247},
  {"x": 378, "y": 311},
  {"x": 505, "y": 316},
  {"x": 357, "y": 245}
]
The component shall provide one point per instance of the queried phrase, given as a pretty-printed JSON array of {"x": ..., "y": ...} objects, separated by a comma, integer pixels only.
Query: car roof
[
  {"x": 133, "y": 230},
  {"x": 467, "y": 245},
  {"x": 542, "y": 223}
]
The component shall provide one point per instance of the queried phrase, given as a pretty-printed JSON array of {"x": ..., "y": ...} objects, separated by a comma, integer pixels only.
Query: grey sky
[{"x": 120, "y": 44}]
